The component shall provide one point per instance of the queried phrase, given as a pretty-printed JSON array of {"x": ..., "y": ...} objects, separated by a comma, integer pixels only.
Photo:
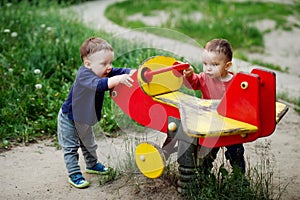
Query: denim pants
[{"x": 73, "y": 135}]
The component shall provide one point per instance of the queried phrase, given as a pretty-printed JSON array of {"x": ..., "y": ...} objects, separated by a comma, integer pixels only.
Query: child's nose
[
  {"x": 109, "y": 66},
  {"x": 208, "y": 68}
]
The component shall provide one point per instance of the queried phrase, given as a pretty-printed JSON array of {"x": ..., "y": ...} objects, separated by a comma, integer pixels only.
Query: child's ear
[
  {"x": 228, "y": 65},
  {"x": 86, "y": 63}
]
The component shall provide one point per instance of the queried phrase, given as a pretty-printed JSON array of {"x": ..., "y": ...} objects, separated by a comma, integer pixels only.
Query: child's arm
[
  {"x": 188, "y": 72},
  {"x": 132, "y": 71},
  {"x": 192, "y": 80},
  {"x": 116, "y": 80}
]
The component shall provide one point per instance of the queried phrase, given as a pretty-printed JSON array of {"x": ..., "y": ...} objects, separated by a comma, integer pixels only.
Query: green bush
[{"x": 39, "y": 58}]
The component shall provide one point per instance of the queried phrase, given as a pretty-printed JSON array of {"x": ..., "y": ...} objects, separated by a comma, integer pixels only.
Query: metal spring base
[{"x": 186, "y": 179}]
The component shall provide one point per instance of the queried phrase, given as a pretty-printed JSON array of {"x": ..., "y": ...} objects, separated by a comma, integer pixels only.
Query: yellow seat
[
  {"x": 281, "y": 109},
  {"x": 199, "y": 117}
]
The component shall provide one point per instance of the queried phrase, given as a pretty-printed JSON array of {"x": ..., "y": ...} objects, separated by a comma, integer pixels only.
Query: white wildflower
[
  {"x": 37, "y": 71},
  {"x": 14, "y": 34},
  {"x": 38, "y": 86},
  {"x": 10, "y": 70},
  {"x": 43, "y": 25},
  {"x": 49, "y": 28},
  {"x": 6, "y": 31}
]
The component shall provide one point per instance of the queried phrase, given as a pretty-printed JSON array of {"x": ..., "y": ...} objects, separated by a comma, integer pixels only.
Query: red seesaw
[{"x": 247, "y": 112}]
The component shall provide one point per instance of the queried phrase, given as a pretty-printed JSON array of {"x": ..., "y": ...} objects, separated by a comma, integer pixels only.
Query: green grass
[
  {"x": 295, "y": 102},
  {"x": 230, "y": 20},
  {"x": 256, "y": 184},
  {"x": 270, "y": 66},
  {"x": 34, "y": 37},
  {"x": 223, "y": 183}
]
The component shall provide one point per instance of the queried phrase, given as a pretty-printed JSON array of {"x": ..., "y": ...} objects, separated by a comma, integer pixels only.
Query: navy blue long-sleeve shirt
[{"x": 85, "y": 99}]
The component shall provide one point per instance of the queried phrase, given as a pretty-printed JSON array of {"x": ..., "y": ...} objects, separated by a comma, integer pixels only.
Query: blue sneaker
[
  {"x": 97, "y": 169},
  {"x": 78, "y": 181}
]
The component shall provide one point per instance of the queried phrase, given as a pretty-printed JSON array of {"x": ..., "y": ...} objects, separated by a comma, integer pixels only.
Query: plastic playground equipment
[{"x": 247, "y": 111}]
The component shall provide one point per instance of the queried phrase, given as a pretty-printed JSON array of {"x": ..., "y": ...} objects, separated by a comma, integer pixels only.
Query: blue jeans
[{"x": 73, "y": 135}]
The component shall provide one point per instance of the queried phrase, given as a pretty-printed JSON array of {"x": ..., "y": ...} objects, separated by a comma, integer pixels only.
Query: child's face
[
  {"x": 100, "y": 62},
  {"x": 215, "y": 65}
]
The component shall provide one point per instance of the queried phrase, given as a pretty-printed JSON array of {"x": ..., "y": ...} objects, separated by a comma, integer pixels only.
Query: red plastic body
[
  {"x": 250, "y": 98},
  {"x": 142, "y": 108},
  {"x": 267, "y": 100},
  {"x": 254, "y": 104}
]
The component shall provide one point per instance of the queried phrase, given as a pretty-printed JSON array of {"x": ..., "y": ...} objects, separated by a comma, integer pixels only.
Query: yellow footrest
[{"x": 150, "y": 159}]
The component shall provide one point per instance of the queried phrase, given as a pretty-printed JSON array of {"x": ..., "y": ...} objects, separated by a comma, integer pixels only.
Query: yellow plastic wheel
[{"x": 150, "y": 159}]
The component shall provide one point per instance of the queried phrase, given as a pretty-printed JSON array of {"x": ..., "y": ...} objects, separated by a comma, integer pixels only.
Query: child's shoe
[
  {"x": 78, "y": 181},
  {"x": 98, "y": 169}
]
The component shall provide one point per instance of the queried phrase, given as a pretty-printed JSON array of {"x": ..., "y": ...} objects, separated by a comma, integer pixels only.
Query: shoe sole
[
  {"x": 81, "y": 186},
  {"x": 89, "y": 171}
]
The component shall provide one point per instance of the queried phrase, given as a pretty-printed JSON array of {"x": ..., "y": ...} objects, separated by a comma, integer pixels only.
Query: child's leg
[
  {"x": 235, "y": 155},
  {"x": 88, "y": 144},
  {"x": 169, "y": 146},
  {"x": 68, "y": 139},
  {"x": 209, "y": 159}
]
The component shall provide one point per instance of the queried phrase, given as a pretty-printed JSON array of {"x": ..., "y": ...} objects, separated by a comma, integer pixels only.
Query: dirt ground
[{"x": 38, "y": 171}]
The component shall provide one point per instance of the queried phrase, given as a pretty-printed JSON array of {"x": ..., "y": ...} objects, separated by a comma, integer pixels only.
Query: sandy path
[{"x": 38, "y": 171}]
